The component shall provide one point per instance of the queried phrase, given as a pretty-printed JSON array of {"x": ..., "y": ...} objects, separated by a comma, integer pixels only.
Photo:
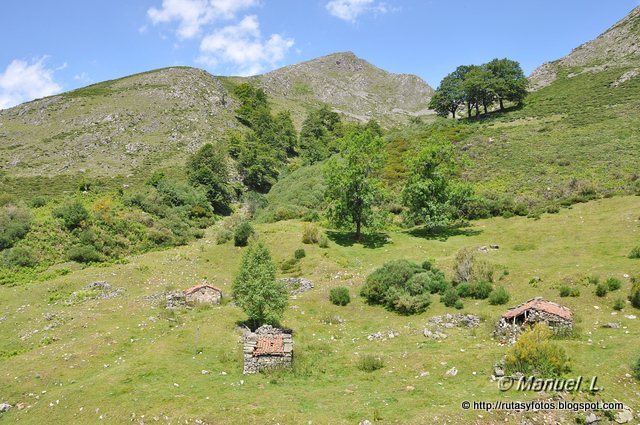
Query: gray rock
[
  {"x": 591, "y": 419},
  {"x": 452, "y": 372},
  {"x": 498, "y": 371},
  {"x": 611, "y": 325},
  {"x": 624, "y": 417},
  {"x": 365, "y": 422},
  {"x": 5, "y": 407}
]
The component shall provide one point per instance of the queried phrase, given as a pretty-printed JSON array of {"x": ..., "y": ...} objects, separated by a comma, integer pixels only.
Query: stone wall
[
  {"x": 508, "y": 330},
  {"x": 256, "y": 363}
]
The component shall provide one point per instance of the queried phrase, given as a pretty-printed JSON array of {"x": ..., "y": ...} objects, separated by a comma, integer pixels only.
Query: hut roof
[
  {"x": 539, "y": 304},
  {"x": 200, "y": 286},
  {"x": 269, "y": 345}
]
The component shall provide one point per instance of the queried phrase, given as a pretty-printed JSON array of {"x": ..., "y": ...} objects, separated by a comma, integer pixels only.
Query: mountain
[
  {"x": 618, "y": 47},
  {"x": 122, "y": 126},
  {"x": 351, "y": 86}
]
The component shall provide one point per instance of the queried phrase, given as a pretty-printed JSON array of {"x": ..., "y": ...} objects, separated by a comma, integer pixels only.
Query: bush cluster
[
  {"x": 499, "y": 296},
  {"x": 403, "y": 286},
  {"x": 370, "y": 363},
  {"x": 534, "y": 354},
  {"x": 339, "y": 296},
  {"x": 242, "y": 233},
  {"x": 569, "y": 291}
]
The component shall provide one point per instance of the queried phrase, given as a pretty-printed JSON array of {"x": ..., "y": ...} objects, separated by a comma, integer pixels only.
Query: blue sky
[{"x": 53, "y": 46}]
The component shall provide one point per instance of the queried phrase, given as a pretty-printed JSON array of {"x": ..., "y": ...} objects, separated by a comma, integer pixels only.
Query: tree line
[{"x": 476, "y": 86}]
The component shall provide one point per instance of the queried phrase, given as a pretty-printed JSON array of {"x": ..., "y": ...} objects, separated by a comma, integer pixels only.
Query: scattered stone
[
  {"x": 630, "y": 316},
  {"x": 205, "y": 372},
  {"x": 297, "y": 285},
  {"x": 175, "y": 299},
  {"x": 498, "y": 371},
  {"x": 456, "y": 320},
  {"x": 365, "y": 422},
  {"x": 434, "y": 334},
  {"x": 100, "y": 285},
  {"x": 379, "y": 336},
  {"x": 5, "y": 407},
  {"x": 452, "y": 372},
  {"x": 624, "y": 417},
  {"x": 410, "y": 388},
  {"x": 611, "y": 325}
]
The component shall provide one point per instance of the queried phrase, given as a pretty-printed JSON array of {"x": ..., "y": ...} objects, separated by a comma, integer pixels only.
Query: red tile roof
[
  {"x": 198, "y": 287},
  {"x": 539, "y": 304},
  {"x": 269, "y": 345}
]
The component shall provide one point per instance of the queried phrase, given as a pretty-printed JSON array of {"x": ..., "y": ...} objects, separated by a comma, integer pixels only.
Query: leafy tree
[
  {"x": 256, "y": 290},
  {"x": 253, "y": 104},
  {"x": 318, "y": 131},
  {"x": 427, "y": 193},
  {"x": 448, "y": 96},
  {"x": 353, "y": 185},
  {"x": 478, "y": 87},
  {"x": 285, "y": 133},
  {"x": 258, "y": 163},
  {"x": 208, "y": 168},
  {"x": 508, "y": 82}
]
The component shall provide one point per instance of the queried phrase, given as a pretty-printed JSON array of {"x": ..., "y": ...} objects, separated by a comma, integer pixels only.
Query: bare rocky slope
[
  {"x": 155, "y": 118},
  {"x": 618, "y": 47}
]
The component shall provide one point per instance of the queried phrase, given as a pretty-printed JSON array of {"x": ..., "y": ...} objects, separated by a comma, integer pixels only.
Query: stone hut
[
  {"x": 557, "y": 317},
  {"x": 203, "y": 293},
  {"x": 267, "y": 347}
]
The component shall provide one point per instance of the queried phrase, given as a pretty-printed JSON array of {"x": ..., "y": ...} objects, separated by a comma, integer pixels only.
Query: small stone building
[
  {"x": 203, "y": 293},
  {"x": 557, "y": 317},
  {"x": 266, "y": 348}
]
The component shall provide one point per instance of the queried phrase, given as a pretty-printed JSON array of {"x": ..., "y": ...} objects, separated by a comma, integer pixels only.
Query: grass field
[{"x": 126, "y": 359}]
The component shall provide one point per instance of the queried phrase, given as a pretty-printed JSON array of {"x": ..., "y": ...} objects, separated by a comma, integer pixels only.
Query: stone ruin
[
  {"x": 203, "y": 293},
  {"x": 297, "y": 285},
  {"x": 267, "y": 348},
  {"x": 438, "y": 324},
  {"x": 536, "y": 310}
]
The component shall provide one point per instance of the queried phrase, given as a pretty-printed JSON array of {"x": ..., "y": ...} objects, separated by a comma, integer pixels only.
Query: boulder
[
  {"x": 5, "y": 407},
  {"x": 591, "y": 419},
  {"x": 624, "y": 417}
]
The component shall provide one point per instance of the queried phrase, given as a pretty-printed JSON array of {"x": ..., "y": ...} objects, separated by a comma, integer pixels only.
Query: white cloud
[
  {"x": 22, "y": 81},
  {"x": 350, "y": 10},
  {"x": 192, "y": 15},
  {"x": 83, "y": 78},
  {"x": 242, "y": 46}
]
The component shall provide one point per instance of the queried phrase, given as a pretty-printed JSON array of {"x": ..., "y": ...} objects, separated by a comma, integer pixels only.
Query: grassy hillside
[{"x": 70, "y": 358}]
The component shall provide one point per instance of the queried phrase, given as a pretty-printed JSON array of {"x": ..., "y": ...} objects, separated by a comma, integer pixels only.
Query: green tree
[
  {"x": 478, "y": 87},
  {"x": 427, "y": 194},
  {"x": 449, "y": 95},
  {"x": 353, "y": 184},
  {"x": 258, "y": 163},
  {"x": 256, "y": 290},
  {"x": 318, "y": 132},
  {"x": 15, "y": 222},
  {"x": 509, "y": 82},
  {"x": 285, "y": 134},
  {"x": 208, "y": 168}
]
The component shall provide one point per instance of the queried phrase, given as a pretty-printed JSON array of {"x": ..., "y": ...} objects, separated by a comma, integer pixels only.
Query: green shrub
[
  {"x": 478, "y": 291},
  {"x": 569, "y": 291},
  {"x": 613, "y": 284},
  {"x": 619, "y": 304},
  {"x": 634, "y": 296},
  {"x": 223, "y": 236},
  {"x": 635, "y": 252},
  {"x": 459, "y": 305},
  {"x": 19, "y": 257},
  {"x": 534, "y": 354},
  {"x": 84, "y": 254},
  {"x": 323, "y": 242},
  {"x": 72, "y": 213},
  {"x": 340, "y": 296},
  {"x": 288, "y": 265},
  {"x": 636, "y": 369},
  {"x": 38, "y": 202},
  {"x": 499, "y": 296},
  {"x": 15, "y": 222},
  {"x": 469, "y": 267},
  {"x": 427, "y": 265},
  {"x": 403, "y": 286},
  {"x": 369, "y": 363},
  {"x": 299, "y": 254},
  {"x": 310, "y": 233},
  {"x": 601, "y": 290},
  {"x": 242, "y": 234},
  {"x": 450, "y": 297}
]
